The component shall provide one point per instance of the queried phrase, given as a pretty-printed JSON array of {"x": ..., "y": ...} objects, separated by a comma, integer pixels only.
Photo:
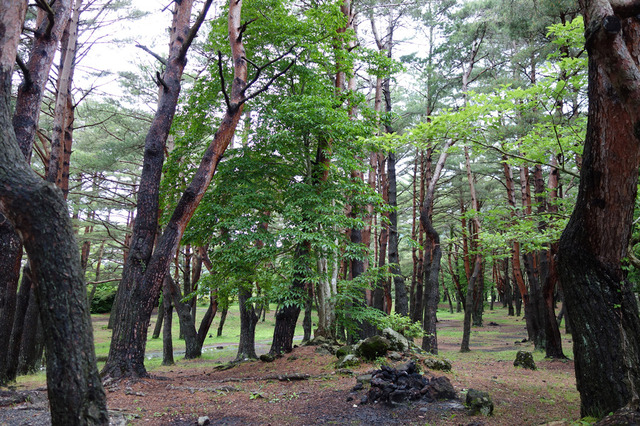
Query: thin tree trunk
[
  {"x": 158, "y": 327},
  {"x": 223, "y": 318},
  {"x": 248, "y": 321},
  {"x": 167, "y": 338},
  {"x": 477, "y": 269},
  {"x": 432, "y": 257}
]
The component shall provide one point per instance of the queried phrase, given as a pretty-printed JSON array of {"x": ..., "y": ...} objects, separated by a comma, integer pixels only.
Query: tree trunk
[
  {"x": 126, "y": 354},
  {"x": 432, "y": 257},
  {"x": 35, "y": 208},
  {"x": 187, "y": 322},
  {"x": 207, "y": 319},
  {"x": 158, "y": 328},
  {"x": 402, "y": 300},
  {"x": 223, "y": 318},
  {"x": 477, "y": 269},
  {"x": 167, "y": 338},
  {"x": 248, "y": 321},
  {"x": 17, "y": 330},
  {"x": 287, "y": 314},
  {"x": 11, "y": 249},
  {"x": 600, "y": 302}
]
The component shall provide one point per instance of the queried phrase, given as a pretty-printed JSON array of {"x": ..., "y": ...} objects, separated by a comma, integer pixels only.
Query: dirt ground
[{"x": 253, "y": 394}]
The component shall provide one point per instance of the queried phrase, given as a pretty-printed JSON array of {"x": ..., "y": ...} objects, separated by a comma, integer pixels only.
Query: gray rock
[
  {"x": 394, "y": 356},
  {"x": 525, "y": 360},
  {"x": 440, "y": 388},
  {"x": 202, "y": 421},
  {"x": 267, "y": 358},
  {"x": 348, "y": 361},
  {"x": 321, "y": 350},
  {"x": 344, "y": 350},
  {"x": 398, "y": 341},
  {"x": 373, "y": 347},
  {"x": 437, "y": 363},
  {"x": 479, "y": 402},
  {"x": 365, "y": 378}
]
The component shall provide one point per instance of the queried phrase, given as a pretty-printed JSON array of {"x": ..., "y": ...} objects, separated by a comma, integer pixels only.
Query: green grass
[{"x": 229, "y": 338}]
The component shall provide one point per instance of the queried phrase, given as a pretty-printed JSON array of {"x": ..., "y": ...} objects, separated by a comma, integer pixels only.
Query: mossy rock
[
  {"x": 267, "y": 358},
  {"x": 349, "y": 360},
  {"x": 373, "y": 347},
  {"x": 479, "y": 402},
  {"x": 344, "y": 351},
  {"x": 525, "y": 360},
  {"x": 437, "y": 363}
]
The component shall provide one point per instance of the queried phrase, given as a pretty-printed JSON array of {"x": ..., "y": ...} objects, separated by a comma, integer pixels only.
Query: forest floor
[{"x": 252, "y": 394}]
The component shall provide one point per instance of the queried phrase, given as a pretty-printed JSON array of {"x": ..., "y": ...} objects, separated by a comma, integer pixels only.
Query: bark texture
[
  {"x": 38, "y": 212},
  {"x": 601, "y": 306}
]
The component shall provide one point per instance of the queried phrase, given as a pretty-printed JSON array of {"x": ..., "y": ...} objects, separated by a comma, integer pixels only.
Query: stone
[
  {"x": 364, "y": 378},
  {"x": 524, "y": 359},
  {"x": 437, "y": 363},
  {"x": 440, "y": 388},
  {"x": 203, "y": 421},
  {"x": 373, "y": 347},
  {"x": 397, "y": 340},
  {"x": 267, "y": 358},
  {"x": 479, "y": 402},
  {"x": 397, "y": 386},
  {"x": 344, "y": 351},
  {"x": 348, "y": 361},
  {"x": 394, "y": 356},
  {"x": 321, "y": 350}
]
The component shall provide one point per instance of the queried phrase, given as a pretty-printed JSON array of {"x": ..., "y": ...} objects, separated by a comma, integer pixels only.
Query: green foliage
[
  {"x": 402, "y": 324},
  {"x": 103, "y": 299}
]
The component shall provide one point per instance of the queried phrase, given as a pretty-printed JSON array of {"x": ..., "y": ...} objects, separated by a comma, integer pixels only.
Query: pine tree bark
[
  {"x": 432, "y": 257},
  {"x": 141, "y": 278},
  {"x": 35, "y": 207},
  {"x": 601, "y": 305}
]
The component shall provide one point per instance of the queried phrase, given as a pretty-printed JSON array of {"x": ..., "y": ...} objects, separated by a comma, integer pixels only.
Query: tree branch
[
  {"x": 28, "y": 82},
  {"x": 155, "y": 55},
  {"x": 42, "y": 4},
  {"x": 222, "y": 83},
  {"x": 625, "y": 8},
  {"x": 161, "y": 82},
  {"x": 262, "y": 68},
  {"x": 194, "y": 30},
  {"x": 266, "y": 86}
]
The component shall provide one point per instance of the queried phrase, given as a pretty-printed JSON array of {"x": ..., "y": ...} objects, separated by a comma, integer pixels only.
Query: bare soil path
[{"x": 251, "y": 394}]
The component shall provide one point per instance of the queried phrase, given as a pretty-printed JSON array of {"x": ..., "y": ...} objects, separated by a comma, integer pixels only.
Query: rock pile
[{"x": 396, "y": 386}]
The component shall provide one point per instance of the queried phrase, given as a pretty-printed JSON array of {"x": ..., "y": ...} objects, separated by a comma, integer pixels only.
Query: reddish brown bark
[{"x": 601, "y": 306}]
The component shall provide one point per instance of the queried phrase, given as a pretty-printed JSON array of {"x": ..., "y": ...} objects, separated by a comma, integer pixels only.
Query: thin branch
[
  {"x": 262, "y": 68},
  {"x": 266, "y": 86},
  {"x": 104, "y": 281},
  {"x": 25, "y": 71},
  {"x": 529, "y": 160},
  {"x": 161, "y": 82},
  {"x": 194, "y": 30},
  {"x": 155, "y": 55},
  {"x": 244, "y": 26},
  {"x": 222, "y": 83}
]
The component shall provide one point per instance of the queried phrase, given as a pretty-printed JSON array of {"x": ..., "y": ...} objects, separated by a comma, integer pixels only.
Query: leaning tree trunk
[
  {"x": 35, "y": 208},
  {"x": 126, "y": 354},
  {"x": 600, "y": 302},
  {"x": 25, "y": 122}
]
